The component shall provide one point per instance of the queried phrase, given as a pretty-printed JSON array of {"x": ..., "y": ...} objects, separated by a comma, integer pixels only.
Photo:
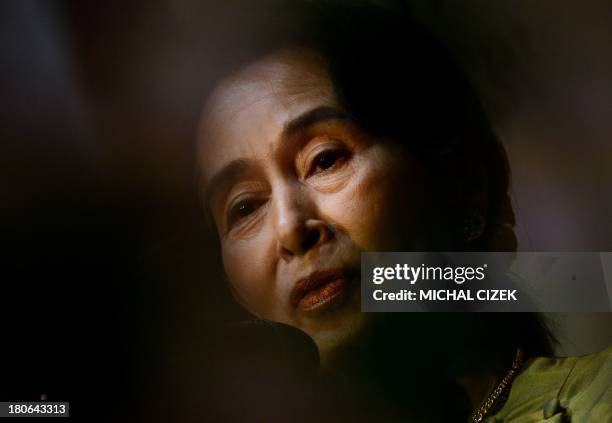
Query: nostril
[
  {"x": 311, "y": 240},
  {"x": 300, "y": 237},
  {"x": 285, "y": 253}
]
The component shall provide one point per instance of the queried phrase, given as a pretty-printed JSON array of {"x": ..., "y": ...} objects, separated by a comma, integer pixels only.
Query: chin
[{"x": 338, "y": 328}]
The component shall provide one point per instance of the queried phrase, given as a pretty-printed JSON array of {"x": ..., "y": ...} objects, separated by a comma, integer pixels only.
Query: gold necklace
[{"x": 499, "y": 391}]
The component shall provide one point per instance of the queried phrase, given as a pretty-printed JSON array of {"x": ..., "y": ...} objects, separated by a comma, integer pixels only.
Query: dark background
[{"x": 110, "y": 281}]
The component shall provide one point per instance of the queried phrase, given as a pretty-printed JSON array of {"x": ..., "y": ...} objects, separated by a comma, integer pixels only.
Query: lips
[{"x": 321, "y": 291}]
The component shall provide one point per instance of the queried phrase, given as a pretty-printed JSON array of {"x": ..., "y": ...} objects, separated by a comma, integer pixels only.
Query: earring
[{"x": 473, "y": 226}]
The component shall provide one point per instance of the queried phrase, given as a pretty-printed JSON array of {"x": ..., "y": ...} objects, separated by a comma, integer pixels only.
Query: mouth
[{"x": 321, "y": 291}]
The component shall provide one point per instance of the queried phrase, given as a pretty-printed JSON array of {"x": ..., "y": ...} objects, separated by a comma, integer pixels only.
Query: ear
[
  {"x": 488, "y": 215},
  {"x": 501, "y": 236},
  {"x": 462, "y": 197},
  {"x": 478, "y": 212},
  {"x": 475, "y": 210}
]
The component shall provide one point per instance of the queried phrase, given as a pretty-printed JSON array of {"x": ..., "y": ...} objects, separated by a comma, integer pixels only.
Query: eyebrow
[
  {"x": 311, "y": 117},
  {"x": 235, "y": 169}
]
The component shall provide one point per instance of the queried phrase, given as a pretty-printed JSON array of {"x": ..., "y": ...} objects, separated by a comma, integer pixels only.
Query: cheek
[
  {"x": 250, "y": 272},
  {"x": 382, "y": 208}
]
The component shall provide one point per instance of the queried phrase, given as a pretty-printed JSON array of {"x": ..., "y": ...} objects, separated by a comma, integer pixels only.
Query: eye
[
  {"x": 243, "y": 209},
  {"x": 327, "y": 160}
]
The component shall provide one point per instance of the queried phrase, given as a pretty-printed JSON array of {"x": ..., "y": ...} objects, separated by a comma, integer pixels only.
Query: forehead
[{"x": 247, "y": 112}]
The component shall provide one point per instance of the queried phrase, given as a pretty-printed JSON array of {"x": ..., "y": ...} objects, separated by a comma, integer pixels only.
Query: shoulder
[
  {"x": 588, "y": 390},
  {"x": 580, "y": 387}
]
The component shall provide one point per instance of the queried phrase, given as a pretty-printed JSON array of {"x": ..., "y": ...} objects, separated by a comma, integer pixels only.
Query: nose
[{"x": 299, "y": 230}]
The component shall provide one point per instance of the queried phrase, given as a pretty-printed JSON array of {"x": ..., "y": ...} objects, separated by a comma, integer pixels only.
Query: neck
[
  {"x": 407, "y": 358},
  {"x": 478, "y": 386}
]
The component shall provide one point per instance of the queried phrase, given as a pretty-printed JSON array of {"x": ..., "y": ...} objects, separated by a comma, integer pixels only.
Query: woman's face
[{"x": 297, "y": 191}]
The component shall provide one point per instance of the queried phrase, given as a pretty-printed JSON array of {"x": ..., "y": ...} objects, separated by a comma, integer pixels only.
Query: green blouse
[{"x": 575, "y": 389}]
